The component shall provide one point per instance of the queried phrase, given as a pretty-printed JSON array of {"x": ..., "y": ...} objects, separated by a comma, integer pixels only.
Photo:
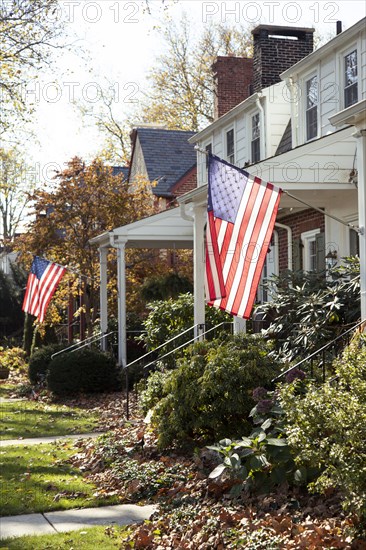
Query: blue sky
[{"x": 119, "y": 41}]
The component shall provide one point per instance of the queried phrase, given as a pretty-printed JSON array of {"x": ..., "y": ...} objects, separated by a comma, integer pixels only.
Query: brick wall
[
  {"x": 299, "y": 223},
  {"x": 187, "y": 183},
  {"x": 232, "y": 78},
  {"x": 274, "y": 52}
]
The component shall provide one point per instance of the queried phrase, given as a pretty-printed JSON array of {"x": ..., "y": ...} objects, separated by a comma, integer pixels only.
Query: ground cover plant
[
  {"x": 39, "y": 478},
  {"x": 23, "y": 419},
  {"x": 107, "y": 538}
]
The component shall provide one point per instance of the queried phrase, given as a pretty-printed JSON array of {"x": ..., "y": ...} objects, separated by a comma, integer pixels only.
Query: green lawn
[
  {"x": 106, "y": 538},
  {"x": 32, "y": 419},
  {"x": 36, "y": 478},
  {"x": 6, "y": 389}
]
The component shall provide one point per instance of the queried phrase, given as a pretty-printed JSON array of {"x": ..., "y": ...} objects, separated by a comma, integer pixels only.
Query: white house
[{"x": 291, "y": 116}]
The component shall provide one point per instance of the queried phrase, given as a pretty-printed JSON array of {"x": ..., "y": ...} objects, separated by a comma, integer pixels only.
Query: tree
[
  {"x": 28, "y": 30},
  {"x": 182, "y": 90},
  {"x": 84, "y": 202},
  {"x": 182, "y": 86},
  {"x": 16, "y": 181}
]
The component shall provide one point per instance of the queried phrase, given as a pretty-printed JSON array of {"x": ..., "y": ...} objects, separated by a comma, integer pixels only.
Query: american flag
[
  {"x": 42, "y": 282},
  {"x": 241, "y": 215}
]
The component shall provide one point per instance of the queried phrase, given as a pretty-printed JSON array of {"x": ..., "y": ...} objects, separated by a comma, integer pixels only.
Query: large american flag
[
  {"x": 241, "y": 215},
  {"x": 43, "y": 280}
]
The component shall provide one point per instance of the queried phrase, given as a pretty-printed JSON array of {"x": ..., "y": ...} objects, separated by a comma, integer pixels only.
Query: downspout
[
  {"x": 291, "y": 86},
  {"x": 289, "y": 243},
  {"x": 262, "y": 128}
]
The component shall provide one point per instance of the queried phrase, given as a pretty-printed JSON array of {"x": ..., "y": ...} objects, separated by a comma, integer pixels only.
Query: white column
[
  {"x": 361, "y": 177},
  {"x": 200, "y": 214},
  {"x": 121, "y": 286},
  {"x": 103, "y": 297}
]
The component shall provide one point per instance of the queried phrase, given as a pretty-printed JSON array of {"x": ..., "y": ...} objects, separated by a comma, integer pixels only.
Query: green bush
[
  {"x": 326, "y": 427},
  {"x": 12, "y": 358},
  {"x": 209, "y": 395},
  {"x": 83, "y": 371},
  {"x": 151, "y": 391},
  {"x": 40, "y": 361},
  {"x": 308, "y": 309}
]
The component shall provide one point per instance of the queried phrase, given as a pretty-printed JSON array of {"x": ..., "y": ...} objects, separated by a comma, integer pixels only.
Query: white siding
[
  {"x": 138, "y": 167},
  {"x": 278, "y": 112}
]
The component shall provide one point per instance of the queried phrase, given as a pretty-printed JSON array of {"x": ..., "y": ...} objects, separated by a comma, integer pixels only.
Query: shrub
[
  {"x": 308, "y": 309},
  {"x": 326, "y": 427},
  {"x": 40, "y": 361},
  {"x": 83, "y": 371},
  {"x": 209, "y": 395},
  {"x": 152, "y": 390}
]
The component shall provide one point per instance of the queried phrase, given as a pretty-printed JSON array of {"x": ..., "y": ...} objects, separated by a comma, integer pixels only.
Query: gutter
[{"x": 289, "y": 243}]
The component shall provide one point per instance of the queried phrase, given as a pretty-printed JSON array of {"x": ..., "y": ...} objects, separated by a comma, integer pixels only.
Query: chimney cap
[{"x": 281, "y": 30}]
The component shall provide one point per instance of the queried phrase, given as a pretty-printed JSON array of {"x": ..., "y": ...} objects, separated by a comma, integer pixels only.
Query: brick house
[{"x": 294, "y": 117}]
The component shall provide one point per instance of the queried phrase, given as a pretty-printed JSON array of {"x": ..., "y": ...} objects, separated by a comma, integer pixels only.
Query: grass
[
  {"x": 36, "y": 478},
  {"x": 6, "y": 389},
  {"x": 107, "y": 538},
  {"x": 32, "y": 419}
]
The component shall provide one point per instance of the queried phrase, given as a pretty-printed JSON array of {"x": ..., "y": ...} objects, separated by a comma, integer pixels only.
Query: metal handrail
[
  {"x": 186, "y": 343},
  {"x": 165, "y": 355},
  {"x": 84, "y": 343},
  {"x": 161, "y": 346},
  {"x": 320, "y": 350}
]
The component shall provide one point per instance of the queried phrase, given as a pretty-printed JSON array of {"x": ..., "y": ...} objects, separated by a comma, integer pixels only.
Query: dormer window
[
  {"x": 230, "y": 146},
  {"x": 256, "y": 149},
  {"x": 312, "y": 108},
  {"x": 350, "y": 79}
]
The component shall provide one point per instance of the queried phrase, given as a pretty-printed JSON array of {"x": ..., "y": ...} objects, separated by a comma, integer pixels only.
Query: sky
[{"x": 118, "y": 42}]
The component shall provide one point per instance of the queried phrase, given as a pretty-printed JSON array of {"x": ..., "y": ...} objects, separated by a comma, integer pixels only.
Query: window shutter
[
  {"x": 297, "y": 247},
  {"x": 320, "y": 252}
]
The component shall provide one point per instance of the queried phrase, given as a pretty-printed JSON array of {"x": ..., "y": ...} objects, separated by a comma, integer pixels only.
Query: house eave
[
  {"x": 355, "y": 115},
  {"x": 333, "y": 44}
]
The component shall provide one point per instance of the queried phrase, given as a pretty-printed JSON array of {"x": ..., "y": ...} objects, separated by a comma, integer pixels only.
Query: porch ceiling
[{"x": 164, "y": 230}]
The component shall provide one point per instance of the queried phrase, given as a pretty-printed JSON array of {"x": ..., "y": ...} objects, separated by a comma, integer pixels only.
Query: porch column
[
  {"x": 121, "y": 286},
  {"x": 361, "y": 173},
  {"x": 103, "y": 252},
  {"x": 199, "y": 213}
]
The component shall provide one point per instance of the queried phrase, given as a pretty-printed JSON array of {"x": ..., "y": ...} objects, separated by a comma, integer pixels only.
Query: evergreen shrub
[
  {"x": 85, "y": 370},
  {"x": 209, "y": 395},
  {"x": 40, "y": 361}
]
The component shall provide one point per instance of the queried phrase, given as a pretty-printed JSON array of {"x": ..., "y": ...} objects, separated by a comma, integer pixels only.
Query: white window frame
[
  {"x": 250, "y": 134},
  {"x": 307, "y": 78},
  {"x": 344, "y": 55},
  {"x": 225, "y": 132},
  {"x": 306, "y": 238}
]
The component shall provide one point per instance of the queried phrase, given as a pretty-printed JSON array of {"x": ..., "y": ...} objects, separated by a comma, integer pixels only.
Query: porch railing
[
  {"x": 84, "y": 343},
  {"x": 323, "y": 356}
]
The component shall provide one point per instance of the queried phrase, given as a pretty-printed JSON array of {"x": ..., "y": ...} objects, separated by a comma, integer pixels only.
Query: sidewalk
[
  {"x": 51, "y": 439},
  {"x": 71, "y": 520}
]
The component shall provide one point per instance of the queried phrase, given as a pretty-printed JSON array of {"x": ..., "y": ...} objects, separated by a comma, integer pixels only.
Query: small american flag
[
  {"x": 241, "y": 215},
  {"x": 42, "y": 282}
]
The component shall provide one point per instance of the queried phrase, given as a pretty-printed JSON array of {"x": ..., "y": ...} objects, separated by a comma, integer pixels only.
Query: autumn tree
[
  {"x": 181, "y": 93},
  {"x": 17, "y": 180},
  {"x": 29, "y": 30},
  {"x": 182, "y": 89},
  {"x": 85, "y": 201}
]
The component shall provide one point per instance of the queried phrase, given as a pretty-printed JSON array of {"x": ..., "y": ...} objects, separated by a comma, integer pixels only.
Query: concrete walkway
[
  {"x": 71, "y": 520},
  {"x": 51, "y": 439}
]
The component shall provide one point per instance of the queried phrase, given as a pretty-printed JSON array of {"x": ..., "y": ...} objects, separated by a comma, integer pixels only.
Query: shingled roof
[{"x": 168, "y": 156}]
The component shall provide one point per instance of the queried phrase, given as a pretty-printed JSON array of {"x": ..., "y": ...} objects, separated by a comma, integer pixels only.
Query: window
[
  {"x": 256, "y": 150},
  {"x": 312, "y": 108},
  {"x": 354, "y": 243},
  {"x": 314, "y": 250},
  {"x": 350, "y": 79},
  {"x": 230, "y": 146}
]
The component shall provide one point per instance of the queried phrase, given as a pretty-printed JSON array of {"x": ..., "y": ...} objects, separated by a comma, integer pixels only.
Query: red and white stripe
[
  {"x": 236, "y": 252},
  {"x": 40, "y": 291}
]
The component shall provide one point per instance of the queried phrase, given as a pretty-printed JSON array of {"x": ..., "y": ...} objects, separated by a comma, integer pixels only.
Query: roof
[
  {"x": 116, "y": 170},
  {"x": 167, "y": 155},
  {"x": 286, "y": 140}
]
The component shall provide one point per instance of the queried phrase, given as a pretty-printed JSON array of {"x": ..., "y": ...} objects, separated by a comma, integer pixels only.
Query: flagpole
[{"x": 351, "y": 225}]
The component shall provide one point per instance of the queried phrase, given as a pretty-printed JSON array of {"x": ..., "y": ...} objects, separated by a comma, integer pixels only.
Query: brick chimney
[
  {"x": 276, "y": 49},
  {"x": 232, "y": 79}
]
